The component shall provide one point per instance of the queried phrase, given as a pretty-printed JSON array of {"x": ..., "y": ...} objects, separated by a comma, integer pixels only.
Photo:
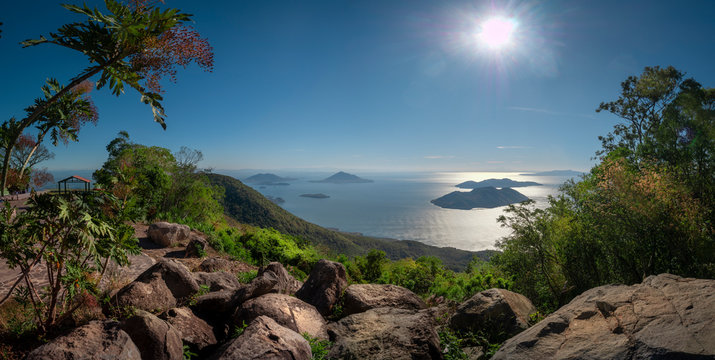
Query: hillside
[
  {"x": 484, "y": 197},
  {"x": 248, "y": 206},
  {"x": 343, "y": 178},
  {"x": 500, "y": 183}
]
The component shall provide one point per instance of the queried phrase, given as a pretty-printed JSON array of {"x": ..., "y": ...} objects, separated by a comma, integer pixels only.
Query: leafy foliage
[
  {"x": 645, "y": 209},
  {"x": 319, "y": 348},
  {"x": 134, "y": 45},
  {"x": 152, "y": 184},
  {"x": 75, "y": 236}
]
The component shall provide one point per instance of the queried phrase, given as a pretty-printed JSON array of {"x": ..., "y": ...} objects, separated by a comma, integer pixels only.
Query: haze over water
[{"x": 398, "y": 205}]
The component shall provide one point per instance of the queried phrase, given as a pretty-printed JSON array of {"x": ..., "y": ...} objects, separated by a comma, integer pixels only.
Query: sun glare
[{"x": 497, "y": 32}]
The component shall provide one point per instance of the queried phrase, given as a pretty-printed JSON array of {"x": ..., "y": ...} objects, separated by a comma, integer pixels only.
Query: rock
[
  {"x": 158, "y": 288},
  {"x": 213, "y": 264},
  {"x": 665, "y": 317},
  {"x": 498, "y": 310},
  {"x": 195, "y": 332},
  {"x": 324, "y": 286},
  {"x": 96, "y": 340},
  {"x": 385, "y": 333},
  {"x": 217, "y": 281},
  {"x": 196, "y": 247},
  {"x": 265, "y": 339},
  {"x": 286, "y": 311},
  {"x": 167, "y": 234},
  {"x": 363, "y": 297},
  {"x": 155, "y": 338},
  {"x": 218, "y": 305},
  {"x": 273, "y": 278}
]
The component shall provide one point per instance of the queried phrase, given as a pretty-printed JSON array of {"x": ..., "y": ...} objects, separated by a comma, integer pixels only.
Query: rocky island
[
  {"x": 315, "y": 196},
  {"x": 343, "y": 178},
  {"x": 484, "y": 197},
  {"x": 267, "y": 179},
  {"x": 497, "y": 183}
]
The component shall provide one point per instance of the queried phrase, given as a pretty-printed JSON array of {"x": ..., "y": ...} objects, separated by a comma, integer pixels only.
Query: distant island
[
  {"x": 343, "y": 178},
  {"x": 315, "y": 196},
  {"x": 555, "y": 173},
  {"x": 499, "y": 183},
  {"x": 267, "y": 179},
  {"x": 483, "y": 197}
]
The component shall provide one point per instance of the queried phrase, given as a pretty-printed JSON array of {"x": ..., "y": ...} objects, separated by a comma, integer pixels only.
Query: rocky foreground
[{"x": 168, "y": 307}]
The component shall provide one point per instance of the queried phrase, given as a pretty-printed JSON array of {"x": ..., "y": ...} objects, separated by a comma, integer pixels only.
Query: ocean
[{"x": 395, "y": 205}]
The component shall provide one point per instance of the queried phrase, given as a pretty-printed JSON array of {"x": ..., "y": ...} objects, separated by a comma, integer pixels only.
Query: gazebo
[{"x": 74, "y": 179}]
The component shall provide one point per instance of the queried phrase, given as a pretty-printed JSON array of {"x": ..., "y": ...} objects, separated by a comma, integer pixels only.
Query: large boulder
[
  {"x": 496, "y": 309},
  {"x": 216, "y": 305},
  {"x": 168, "y": 234},
  {"x": 195, "y": 332},
  {"x": 273, "y": 278},
  {"x": 385, "y": 333},
  {"x": 96, "y": 340},
  {"x": 363, "y": 297},
  {"x": 196, "y": 247},
  {"x": 215, "y": 264},
  {"x": 265, "y": 339},
  {"x": 665, "y": 317},
  {"x": 324, "y": 286},
  {"x": 155, "y": 338},
  {"x": 217, "y": 281},
  {"x": 285, "y": 310},
  {"x": 158, "y": 288}
]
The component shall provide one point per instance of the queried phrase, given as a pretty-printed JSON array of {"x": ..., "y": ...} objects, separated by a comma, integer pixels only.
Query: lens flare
[{"x": 497, "y": 32}]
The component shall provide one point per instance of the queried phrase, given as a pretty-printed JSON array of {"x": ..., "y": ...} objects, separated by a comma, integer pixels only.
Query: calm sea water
[
  {"x": 398, "y": 205},
  {"x": 394, "y": 205}
]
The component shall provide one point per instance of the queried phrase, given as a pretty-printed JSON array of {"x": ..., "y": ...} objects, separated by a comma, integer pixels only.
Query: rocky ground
[{"x": 178, "y": 299}]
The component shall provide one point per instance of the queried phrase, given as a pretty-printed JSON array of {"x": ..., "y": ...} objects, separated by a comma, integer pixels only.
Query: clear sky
[{"x": 378, "y": 85}]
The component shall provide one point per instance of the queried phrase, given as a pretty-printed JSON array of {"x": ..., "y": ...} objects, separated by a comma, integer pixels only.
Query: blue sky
[{"x": 378, "y": 85}]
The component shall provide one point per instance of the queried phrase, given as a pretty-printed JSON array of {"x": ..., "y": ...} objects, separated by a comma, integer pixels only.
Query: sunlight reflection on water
[{"x": 398, "y": 206}]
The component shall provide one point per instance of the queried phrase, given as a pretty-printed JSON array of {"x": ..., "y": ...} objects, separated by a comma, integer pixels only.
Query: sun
[{"x": 497, "y": 32}]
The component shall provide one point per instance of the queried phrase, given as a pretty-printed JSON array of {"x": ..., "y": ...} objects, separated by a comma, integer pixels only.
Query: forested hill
[{"x": 248, "y": 206}]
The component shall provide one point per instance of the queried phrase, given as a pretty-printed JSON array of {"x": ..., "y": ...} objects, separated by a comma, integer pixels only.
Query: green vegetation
[
  {"x": 426, "y": 276},
  {"x": 154, "y": 184},
  {"x": 319, "y": 348},
  {"x": 645, "y": 209},
  {"x": 76, "y": 236}
]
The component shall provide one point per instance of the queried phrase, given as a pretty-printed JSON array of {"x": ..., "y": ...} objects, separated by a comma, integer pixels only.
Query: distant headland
[
  {"x": 483, "y": 197},
  {"x": 267, "y": 179},
  {"x": 343, "y": 178},
  {"x": 498, "y": 183}
]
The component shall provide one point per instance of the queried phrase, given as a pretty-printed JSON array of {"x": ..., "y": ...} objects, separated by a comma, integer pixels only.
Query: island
[
  {"x": 267, "y": 179},
  {"x": 484, "y": 197},
  {"x": 498, "y": 183},
  {"x": 315, "y": 196},
  {"x": 556, "y": 173},
  {"x": 343, "y": 178}
]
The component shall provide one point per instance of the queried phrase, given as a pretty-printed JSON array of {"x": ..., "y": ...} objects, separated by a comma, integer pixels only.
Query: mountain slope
[{"x": 248, "y": 206}]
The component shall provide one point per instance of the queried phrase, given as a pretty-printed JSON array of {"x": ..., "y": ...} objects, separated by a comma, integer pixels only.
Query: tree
[
  {"x": 28, "y": 153},
  {"x": 75, "y": 236},
  {"x": 134, "y": 45}
]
